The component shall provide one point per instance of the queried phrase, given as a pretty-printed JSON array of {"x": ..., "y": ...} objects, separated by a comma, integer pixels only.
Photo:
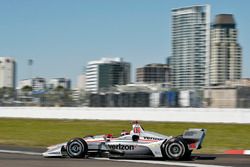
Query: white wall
[{"x": 145, "y": 114}]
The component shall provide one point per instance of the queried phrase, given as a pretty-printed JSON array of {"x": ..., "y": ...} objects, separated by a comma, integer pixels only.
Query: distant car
[{"x": 134, "y": 144}]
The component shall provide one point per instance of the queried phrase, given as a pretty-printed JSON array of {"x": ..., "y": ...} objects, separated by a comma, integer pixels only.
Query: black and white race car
[{"x": 134, "y": 144}]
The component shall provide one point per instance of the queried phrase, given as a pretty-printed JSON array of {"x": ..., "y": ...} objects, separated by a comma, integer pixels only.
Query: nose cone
[{"x": 54, "y": 152}]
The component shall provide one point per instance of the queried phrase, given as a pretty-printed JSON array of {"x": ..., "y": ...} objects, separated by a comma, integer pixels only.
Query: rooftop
[{"x": 222, "y": 19}]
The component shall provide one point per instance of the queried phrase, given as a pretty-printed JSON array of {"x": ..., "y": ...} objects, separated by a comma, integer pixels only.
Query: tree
[
  {"x": 83, "y": 99},
  {"x": 7, "y": 94},
  {"x": 60, "y": 96},
  {"x": 27, "y": 89}
]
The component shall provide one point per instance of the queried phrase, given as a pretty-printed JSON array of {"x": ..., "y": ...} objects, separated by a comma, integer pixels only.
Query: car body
[{"x": 135, "y": 144}]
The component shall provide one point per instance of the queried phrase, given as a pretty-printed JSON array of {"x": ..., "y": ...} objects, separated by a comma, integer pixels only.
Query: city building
[
  {"x": 153, "y": 73},
  {"x": 102, "y": 75},
  {"x": 225, "y": 58},
  {"x": 238, "y": 82},
  {"x": 7, "y": 72},
  {"x": 124, "y": 99},
  {"x": 62, "y": 82},
  {"x": 232, "y": 94},
  {"x": 79, "y": 94},
  {"x": 133, "y": 95},
  {"x": 143, "y": 87},
  {"x": 81, "y": 82},
  {"x": 190, "y": 46},
  {"x": 37, "y": 84}
]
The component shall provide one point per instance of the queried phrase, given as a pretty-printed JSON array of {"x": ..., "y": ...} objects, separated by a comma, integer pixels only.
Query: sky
[{"x": 61, "y": 36}]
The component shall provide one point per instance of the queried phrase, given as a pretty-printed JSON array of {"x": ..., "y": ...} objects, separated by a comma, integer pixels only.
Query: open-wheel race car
[{"x": 134, "y": 144}]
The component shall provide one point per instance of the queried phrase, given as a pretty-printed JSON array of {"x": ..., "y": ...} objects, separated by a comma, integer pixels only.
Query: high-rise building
[
  {"x": 225, "y": 58},
  {"x": 101, "y": 75},
  {"x": 153, "y": 73},
  {"x": 7, "y": 72},
  {"x": 62, "y": 82},
  {"x": 190, "y": 46}
]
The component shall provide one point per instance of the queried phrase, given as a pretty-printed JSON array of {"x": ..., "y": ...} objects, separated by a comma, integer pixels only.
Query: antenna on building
[{"x": 30, "y": 64}]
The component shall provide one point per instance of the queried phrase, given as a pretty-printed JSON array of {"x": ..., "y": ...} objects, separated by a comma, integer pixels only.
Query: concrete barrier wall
[{"x": 211, "y": 115}]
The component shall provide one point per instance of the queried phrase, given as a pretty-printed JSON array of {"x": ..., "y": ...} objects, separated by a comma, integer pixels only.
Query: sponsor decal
[
  {"x": 152, "y": 138},
  {"x": 121, "y": 147}
]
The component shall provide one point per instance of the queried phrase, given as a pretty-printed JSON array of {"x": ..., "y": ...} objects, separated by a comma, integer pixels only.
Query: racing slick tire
[
  {"x": 187, "y": 155},
  {"x": 76, "y": 148},
  {"x": 175, "y": 149}
]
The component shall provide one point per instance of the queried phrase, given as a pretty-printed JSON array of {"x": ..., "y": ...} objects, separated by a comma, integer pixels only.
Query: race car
[{"x": 134, "y": 144}]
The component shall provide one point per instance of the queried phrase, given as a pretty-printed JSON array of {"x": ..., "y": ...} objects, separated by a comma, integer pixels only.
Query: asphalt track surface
[{"x": 30, "y": 157}]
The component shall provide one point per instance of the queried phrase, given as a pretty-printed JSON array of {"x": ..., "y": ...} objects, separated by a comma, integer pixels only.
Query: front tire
[
  {"x": 175, "y": 149},
  {"x": 77, "y": 148}
]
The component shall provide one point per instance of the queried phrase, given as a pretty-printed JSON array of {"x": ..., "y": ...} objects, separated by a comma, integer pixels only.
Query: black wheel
[
  {"x": 187, "y": 155},
  {"x": 77, "y": 148},
  {"x": 175, "y": 149}
]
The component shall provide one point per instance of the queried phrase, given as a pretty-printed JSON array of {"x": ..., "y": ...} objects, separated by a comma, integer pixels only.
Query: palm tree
[
  {"x": 61, "y": 96},
  {"x": 8, "y": 92},
  {"x": 27, "y": 90}
]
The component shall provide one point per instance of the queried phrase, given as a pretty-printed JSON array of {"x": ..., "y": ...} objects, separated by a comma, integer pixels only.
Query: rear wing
[{"x": 194, "y": 137}]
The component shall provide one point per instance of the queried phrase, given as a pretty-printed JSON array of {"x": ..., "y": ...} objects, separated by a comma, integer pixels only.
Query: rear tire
[
  {"x": 175, "y": 149},
  {"x": 77, "y": 148},
  {"x": 187, "y": 155}
]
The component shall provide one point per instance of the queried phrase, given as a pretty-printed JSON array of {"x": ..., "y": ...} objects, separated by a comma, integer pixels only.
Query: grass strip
[{"x": 41, "y": 132}]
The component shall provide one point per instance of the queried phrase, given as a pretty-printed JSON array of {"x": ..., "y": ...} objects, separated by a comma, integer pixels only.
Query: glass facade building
[{"x": 102, "y": 75}]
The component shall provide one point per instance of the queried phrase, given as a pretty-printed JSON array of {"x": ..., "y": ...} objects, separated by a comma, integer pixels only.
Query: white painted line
[
  {"x": 20, "y": 152},
  {"x": 247, "y": 152},
  {"x": 162, "y": 163}
]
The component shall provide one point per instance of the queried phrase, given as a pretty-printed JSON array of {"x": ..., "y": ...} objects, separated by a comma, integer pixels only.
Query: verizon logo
[{"x": 121, "y": 147}]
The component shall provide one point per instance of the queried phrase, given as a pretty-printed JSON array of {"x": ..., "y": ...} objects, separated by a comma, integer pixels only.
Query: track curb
[{"x": 238, "y": 152}]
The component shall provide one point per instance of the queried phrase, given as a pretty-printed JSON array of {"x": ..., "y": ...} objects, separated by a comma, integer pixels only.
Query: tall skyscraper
[
  {"x": 105, "y": 73},
  {"x": 7, "y": 72},
  {"x": 190, "y": 46},
  {"x": 225, "y": 60}
]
